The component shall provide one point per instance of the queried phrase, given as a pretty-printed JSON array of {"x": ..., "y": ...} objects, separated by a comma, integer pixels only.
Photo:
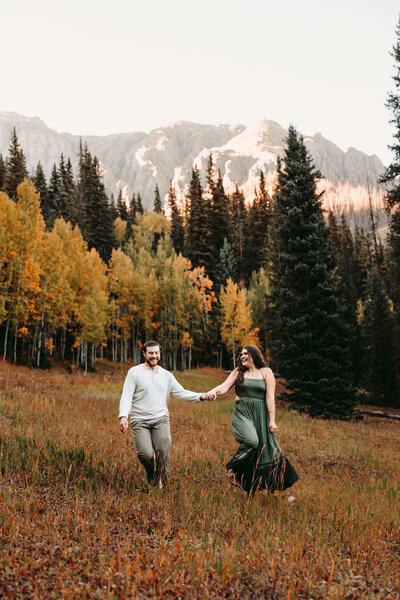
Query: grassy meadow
[{"x": 78, "y": 520}]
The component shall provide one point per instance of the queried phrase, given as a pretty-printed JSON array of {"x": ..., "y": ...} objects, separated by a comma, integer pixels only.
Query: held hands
[
  {"x": 123, "y": 424},
  {"x": 209, "y": 395}
]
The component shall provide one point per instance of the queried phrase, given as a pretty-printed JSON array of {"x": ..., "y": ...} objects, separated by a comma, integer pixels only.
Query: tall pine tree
[
  {"x": 197, "y": 225},
  {"x": 392, "y": 178},
  {"x": 309, "y": 334},
  {"x": 15, "y": 167},
  {"x": 157, "y": 201},
  {"x": 256, "y": 228},
  {"x": 177, "y": 229}
]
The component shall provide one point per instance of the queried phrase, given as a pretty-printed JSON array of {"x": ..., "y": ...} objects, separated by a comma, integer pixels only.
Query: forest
[{"x": 84, "y": 276}]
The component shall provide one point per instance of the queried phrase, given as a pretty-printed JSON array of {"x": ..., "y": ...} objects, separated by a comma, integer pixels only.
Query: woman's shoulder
[{"x": 266, "y": 371}]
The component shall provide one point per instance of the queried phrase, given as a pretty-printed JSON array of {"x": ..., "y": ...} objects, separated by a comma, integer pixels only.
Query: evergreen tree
[
  {"x": 362, "y": 261},
  {"x": 139, "y": 205},
  {"x": 392, "y": 173},
  {"x": 177, "y": 229},
  {"x": 51, "y": 209},
  {"x": 377, "y": 328},
  {"x": 238, "y": 225},
  {"x": 15, "y": 167},
  {"x": 256, "y": 228},
  {"x": 228, "y": 264},
  {"x": 309, "y": 335},
  {"x": 392, "y": 177},
  {"x": 97, "y": 224},
  {"x": 39, "y": 180},
  {"x": 157, "y": 201},
  {"x": 131, "y": 220},
  {"x": 197, "y": 231},
  {"x": 113, "y": 208},
  {"x": 343, "y": 244},
  {"x": 121, "y": 207},
  {"x": 393, "y": 278},
  {"x": 2, "y": 172},
  {"x": 219, "y": 218}
]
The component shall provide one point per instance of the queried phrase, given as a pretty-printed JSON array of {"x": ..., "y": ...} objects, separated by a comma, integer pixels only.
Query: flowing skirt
[{"x": 259, "y": 462}]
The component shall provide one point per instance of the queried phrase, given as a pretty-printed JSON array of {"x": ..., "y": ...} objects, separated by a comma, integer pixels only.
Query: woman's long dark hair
[{"x": 258, "y": 359}]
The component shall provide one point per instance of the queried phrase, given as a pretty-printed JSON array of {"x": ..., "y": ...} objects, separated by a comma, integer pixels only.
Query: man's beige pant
[{"x": 153, "y": 447}]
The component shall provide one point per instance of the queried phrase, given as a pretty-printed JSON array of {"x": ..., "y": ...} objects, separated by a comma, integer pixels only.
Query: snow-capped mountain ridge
[{"x": 136, "y": 161}]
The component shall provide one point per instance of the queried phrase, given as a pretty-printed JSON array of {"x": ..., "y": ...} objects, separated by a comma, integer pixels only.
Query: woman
[{"x": 259, "y": 462}]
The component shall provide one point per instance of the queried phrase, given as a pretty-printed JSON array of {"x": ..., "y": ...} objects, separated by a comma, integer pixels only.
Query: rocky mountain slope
[{"x": 137, "y": 161}]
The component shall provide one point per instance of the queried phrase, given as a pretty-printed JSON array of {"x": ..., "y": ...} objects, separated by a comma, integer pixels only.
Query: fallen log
[{"x": 379, "y": 413}]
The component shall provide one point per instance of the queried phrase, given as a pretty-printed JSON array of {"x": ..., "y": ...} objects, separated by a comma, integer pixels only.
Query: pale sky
[{"x": 102, "y": 67}]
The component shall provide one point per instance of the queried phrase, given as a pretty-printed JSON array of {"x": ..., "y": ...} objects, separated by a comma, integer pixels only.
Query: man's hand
[
  {"x": 209, "y": 396},
  {"x": 123, "y": 424}
]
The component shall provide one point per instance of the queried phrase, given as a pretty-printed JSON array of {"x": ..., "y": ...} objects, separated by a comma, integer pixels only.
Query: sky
[{"x": 101, "y": 67}]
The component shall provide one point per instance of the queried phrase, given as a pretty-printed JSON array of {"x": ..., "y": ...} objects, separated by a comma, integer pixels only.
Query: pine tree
[
  {"x": 256, "y": 230},
  {"x": 377, "y": 328},
  {"x": 219, "y": 218},
  {"x": 238, "y": 224},
  {"x": 309, "y": 335},
  {"x": 51, "y": 209},
  {"x": 139, "y": 205},
  {"x": 392, "y": 177},
  {"x": 131, "y": 220},
  {"x": 362, "y": 261},
  {"x": 15, "y": 167},
  {"x": 97, "y": 224},
  {"x": 197, "y": 226},
  {"x": 177, "y": 230},
  {"x": 157, "y": 201},
  {"x": 2, "y": 172},
  {"x": 113, "y": 208},
  {"x": 392, "y": 173},
  {"x": 121, "y": 207},
  {"x": 39, "y": 179},
  {"x": 228, "y": 264}
]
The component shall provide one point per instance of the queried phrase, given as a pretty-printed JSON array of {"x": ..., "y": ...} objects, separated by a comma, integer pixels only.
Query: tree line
[{"x": 84, "y": 276}]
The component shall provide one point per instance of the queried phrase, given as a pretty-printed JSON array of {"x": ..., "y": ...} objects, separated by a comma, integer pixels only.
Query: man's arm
[
  {"x": 126, "y": 401},
  {"x": 179, "y": 391}
]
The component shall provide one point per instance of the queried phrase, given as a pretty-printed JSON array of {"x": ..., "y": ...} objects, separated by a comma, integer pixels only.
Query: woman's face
[{"x": 246, "y": 359}]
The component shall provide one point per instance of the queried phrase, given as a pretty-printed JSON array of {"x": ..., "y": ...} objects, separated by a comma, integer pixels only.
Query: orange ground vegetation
[{"x": 78, "y": 521}]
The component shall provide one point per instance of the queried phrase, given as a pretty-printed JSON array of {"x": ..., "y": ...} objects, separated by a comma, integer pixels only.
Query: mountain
[{"x": 137, "y": 161}]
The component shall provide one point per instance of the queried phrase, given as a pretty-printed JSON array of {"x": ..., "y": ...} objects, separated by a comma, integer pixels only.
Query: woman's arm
[
  {"x": 226, "y": 385},
  {"x": 270, "y": 384}
]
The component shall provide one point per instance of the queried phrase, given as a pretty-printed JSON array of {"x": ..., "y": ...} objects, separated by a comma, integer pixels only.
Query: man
[{"x": 145, "y": 395}]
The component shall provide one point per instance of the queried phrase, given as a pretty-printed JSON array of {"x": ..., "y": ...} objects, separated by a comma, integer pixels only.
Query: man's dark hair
[{"x": 148, "y": 344}]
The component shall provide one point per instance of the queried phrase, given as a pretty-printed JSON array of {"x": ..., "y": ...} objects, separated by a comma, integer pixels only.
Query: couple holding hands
[{"x": 259, "y": 462}]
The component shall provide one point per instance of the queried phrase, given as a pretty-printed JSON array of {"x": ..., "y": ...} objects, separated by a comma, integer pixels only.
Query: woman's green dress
[{"x": 259, "y": 462}]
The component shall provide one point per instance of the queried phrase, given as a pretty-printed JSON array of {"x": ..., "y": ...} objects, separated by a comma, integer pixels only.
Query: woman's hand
[{"x": 272, "y": 426}]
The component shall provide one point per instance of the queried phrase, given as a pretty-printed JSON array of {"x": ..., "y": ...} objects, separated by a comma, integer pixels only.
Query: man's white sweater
[{"x": 146, "y": 393}]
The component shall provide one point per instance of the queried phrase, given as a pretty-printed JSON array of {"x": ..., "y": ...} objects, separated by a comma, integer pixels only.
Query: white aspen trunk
[
  {"x": 233, "y": 348},
  {"x": 6, "y": 338}
]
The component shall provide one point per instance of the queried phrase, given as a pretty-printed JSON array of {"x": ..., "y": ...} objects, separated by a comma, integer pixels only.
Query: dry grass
[{"x": 78, "y": 521}]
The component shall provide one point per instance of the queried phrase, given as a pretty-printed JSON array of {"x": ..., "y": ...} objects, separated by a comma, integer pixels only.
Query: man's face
[{"x": 152, "y": 355}]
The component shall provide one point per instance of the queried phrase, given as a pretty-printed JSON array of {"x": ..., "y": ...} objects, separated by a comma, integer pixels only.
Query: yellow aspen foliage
[
  {"x": 74, "y": 250},
  {"x": 147, "y": 225},
  {"x": 22, "y": 230},
  {"x": 236, "y": 323},
  {"x": 119, "y": 230},
  {"x": 121, "y": 282},
  {"x": 94, "y": 310}
]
